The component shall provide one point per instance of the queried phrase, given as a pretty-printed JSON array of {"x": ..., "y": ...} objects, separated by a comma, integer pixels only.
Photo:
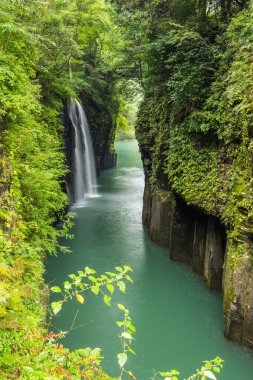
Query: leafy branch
[
  {"x": 86, "y": 280},
  {"x": 205, "y": 373},
  {"x": 105, "y": 285},
  {"x": 126, "y": 338}
]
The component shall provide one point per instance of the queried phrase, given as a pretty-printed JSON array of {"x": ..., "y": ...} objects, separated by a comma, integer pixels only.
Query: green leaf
[
  {"x": 122, "y": 286},
  {"x": 92, "y": 278},
  {"x": 121, "y": 307},
  {"x": 107, "y": 300},
  {"x": 131, "y": 350},
  {"x": 56, "y": 306},
  {"x": 77, "y": 281},
  {"x": 171, "y": 375},
  {"x": 126, "y": 335},
  {"x": 111, "y": 274},
  {"x": 89, "y": 270},
  {"x": 128, "y": 278},
  {"x": 56, "y": 289},
  {"x": 110, "y": 287},
  {"x": 67, "y": 285},
  {"x": 122, "y": 359},
  {"x": 174, "y": 372},
  {"x": 95, "y": 290},
  {"x": 210, "y": 375}
]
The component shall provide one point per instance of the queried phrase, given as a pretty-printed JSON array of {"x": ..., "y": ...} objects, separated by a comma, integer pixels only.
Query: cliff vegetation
[
  {"x": 50, "y": 51},
  {"x": 195, "y": 126},
  {"x": 189, "y": 64}
]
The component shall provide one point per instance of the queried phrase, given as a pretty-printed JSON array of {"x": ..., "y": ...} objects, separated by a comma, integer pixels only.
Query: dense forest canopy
[{"x": 190, "y": 61}]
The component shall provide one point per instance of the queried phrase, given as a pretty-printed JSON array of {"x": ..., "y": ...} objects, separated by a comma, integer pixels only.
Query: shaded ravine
[{"x": 179, "y": 321}]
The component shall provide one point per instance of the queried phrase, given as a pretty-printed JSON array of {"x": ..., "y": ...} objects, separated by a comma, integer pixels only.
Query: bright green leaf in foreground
[
  {"x": 122, "y": 359},
  {"x": 56, "y": 306}
]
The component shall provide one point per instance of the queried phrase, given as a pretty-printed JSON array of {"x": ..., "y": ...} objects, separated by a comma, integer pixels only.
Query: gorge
[
  {"x": 175, "y": 314},
  {"x": 74, "y": 75}
]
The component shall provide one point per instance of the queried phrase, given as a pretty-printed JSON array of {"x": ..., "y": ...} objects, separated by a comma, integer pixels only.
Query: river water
[{"x": 178, "y": 320}]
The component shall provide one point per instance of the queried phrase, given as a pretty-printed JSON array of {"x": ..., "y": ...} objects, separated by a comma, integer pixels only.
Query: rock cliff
[{"x": 195, "y": 135}]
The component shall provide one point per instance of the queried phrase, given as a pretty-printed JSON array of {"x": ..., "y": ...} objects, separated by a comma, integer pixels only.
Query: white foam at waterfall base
[{"x": 84, "y": 169}]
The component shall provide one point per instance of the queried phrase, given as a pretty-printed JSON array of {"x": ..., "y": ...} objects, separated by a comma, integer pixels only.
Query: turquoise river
[{"x": 178, "y": 320}]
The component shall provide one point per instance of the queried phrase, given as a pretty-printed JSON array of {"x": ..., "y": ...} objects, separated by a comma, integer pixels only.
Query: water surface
[{"x": 179, "y": 321}]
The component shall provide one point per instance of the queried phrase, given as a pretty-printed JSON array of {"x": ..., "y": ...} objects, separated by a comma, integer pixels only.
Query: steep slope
[
  {"x": 195, "y": 136},
  {"x": 48, "y": 54}
]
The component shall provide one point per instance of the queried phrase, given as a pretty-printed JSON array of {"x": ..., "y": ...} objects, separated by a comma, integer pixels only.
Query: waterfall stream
[{"x": 84, "y": 171}]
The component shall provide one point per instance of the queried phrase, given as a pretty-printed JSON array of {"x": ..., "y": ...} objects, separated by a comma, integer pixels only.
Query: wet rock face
[
  {"x": 238, "y": 297},
  {"x": 102, "y": 130},
  {"x": 200, "y": 240},
  {"x": 160, "y": 220},
  {"x": 147, "y": 203},
  {"x": 192, "y": 237},
  {"x": 108, "y": 160},
  {"x": 199, "y": 245},
  {"x": 215, "y": 245},
  {"x": 181, "y": 233},
  {"x": 69, "y": 140}
]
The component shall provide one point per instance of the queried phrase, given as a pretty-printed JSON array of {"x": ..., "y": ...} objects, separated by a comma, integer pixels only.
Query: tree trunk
[{"x": 202, "y": 8}]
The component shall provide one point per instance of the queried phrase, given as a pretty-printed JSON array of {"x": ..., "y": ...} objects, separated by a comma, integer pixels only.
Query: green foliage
[
  {"x": 50, "y": 51},
  {"x": 44, "y": 358},
  {"x": 86, "y": 362},
  {"x": 194, "y": 125},
  {"x": 104, "y": 285},
  {"x": 208, "y": 370},
  {"x": 126, "y": 338},
  {"x": 54, "y": 50},
  {"x": 127, "y": 114}
]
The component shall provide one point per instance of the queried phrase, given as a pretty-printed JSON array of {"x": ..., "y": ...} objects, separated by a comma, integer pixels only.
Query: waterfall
[{"x": 85, "y": 182}]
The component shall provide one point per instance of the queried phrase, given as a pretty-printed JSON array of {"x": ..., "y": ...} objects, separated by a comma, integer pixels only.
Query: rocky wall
[
  {"x": 102, "y": 128},
  {"x": 191, "y": 237},
  {"x": 238, "y": 295},
  {"x": 200, "y": 240}
]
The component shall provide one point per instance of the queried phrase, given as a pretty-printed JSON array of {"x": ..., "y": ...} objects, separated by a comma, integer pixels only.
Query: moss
[
  {"x": 201, "y": 149},
  {"x": 228, "y": 291}
]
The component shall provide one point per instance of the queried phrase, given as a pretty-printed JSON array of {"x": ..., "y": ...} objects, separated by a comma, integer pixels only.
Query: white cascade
[{"x": 85, "y": 181}]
